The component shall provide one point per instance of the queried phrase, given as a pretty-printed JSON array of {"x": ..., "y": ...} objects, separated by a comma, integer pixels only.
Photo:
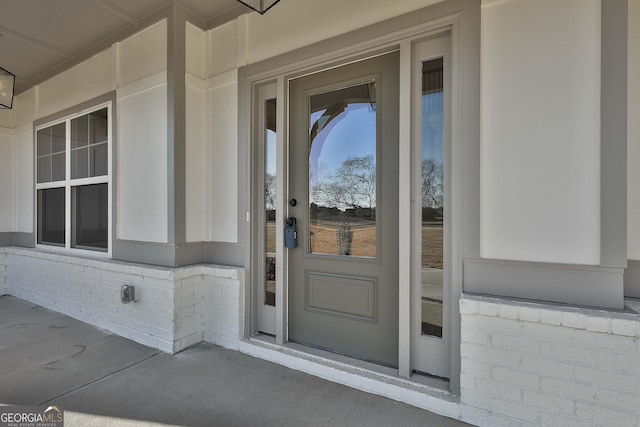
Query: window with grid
[{"x": 73, "y": 168}]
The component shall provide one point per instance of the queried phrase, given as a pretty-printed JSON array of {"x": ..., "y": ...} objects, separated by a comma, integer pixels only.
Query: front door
[{"x": 343, "y": 194}]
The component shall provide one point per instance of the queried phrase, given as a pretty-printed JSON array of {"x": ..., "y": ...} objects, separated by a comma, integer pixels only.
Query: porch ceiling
[{"x": 40, "y": 38}]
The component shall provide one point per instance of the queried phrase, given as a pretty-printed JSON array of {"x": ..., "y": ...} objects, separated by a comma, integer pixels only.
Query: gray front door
[{"x": 343, "y": 192}]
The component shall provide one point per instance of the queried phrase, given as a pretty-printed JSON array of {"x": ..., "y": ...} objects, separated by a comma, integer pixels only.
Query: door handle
[{"x": 290, "y": 233}]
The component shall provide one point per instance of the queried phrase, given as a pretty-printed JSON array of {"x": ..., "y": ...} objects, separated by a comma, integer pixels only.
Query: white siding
[
  {"x": 195, "y": 178},
  {"x": 223, "y": 98},
  {"x": 7, "y": 199},
  {"x": 303, "y": 22},
  {"x": 86, "y": 80},
  {"x": 25, "y": 106},
  {"x": 195, "y": 51},
  {"x": 540, "y": 138},
  {"x": 196, "y": 166},
  {"x": 7, "y": 117},
  {"x": 224, "y": 49},
  {"x": 142, "y": 164},
  {"x": 633, "y": 129},
  {"x": 24, "y": 185},
  {"x": 143, "y": 54}
]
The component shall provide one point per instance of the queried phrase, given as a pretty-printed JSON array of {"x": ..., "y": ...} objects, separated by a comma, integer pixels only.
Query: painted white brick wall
[
  {"x": 172, "y": 311},
  {"x": 89, "y": 290},
  {"x": 529, "y": 364},
  {"x": 224, "y": 293}
]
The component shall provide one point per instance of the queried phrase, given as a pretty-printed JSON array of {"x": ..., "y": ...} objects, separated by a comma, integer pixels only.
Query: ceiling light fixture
[
  {"x": 260, "y": 6},
  {"x": 7, "y": 87}
]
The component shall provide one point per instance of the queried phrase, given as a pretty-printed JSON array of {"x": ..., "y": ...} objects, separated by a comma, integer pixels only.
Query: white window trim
[{"x": 69, "y": 183}]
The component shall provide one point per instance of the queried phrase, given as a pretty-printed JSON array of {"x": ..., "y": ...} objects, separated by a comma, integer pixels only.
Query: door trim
[{"x": 461, "y": 18}]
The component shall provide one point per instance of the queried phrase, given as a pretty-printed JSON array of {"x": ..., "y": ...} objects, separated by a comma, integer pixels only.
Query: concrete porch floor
[{"x": 101, "y": 379}]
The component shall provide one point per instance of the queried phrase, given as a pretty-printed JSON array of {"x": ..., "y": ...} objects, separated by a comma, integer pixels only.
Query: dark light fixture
[
  {"x": 7, "y": 87},
  {"x": 260, "y": 6}
]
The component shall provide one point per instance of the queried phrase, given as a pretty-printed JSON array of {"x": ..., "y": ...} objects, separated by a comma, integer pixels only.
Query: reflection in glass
[
  {"x": 432, "y": 178},
  {"x": 270, "y": 201},
  {"x": 342, "y": 172}
]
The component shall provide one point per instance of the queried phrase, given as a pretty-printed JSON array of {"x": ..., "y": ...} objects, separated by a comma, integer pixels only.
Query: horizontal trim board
[
  {"x": 6, "y": 238},
  {"x": 632, "y": 279},
  {"x": 189, "y": 253},
  {"x": 26, "y": 240},
  {"x": 231, "y": 254},
  {"x": 163, "y": 254},
  {"x": 590, "y": 286}
]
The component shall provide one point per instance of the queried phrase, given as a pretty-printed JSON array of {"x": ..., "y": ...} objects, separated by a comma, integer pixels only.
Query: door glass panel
[
  {"x": 342, "y": 172},
  {"x": 270, "y": 202},
  {"x": 432, "y": 179}
]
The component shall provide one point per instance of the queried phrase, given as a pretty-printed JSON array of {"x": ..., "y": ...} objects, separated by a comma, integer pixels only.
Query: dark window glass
[
  {"x": 91, "y": 220},
  {"x": 98, "y": 159},
  {"x": 98, "y": 126},
  {"x": 51, "y": 204},
  {"x": 79, "y": 132},
  {"x": 79, "y": 163}
]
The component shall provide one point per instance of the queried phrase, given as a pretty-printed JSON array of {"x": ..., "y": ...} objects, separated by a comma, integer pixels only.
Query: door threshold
[{"x": 423, "y": 391}]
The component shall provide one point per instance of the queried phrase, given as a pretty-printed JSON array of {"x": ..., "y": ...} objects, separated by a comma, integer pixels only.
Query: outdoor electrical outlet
[{"x": 128, "y": 294}]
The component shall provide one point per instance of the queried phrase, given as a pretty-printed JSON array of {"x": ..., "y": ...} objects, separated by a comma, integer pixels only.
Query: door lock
[{"x": 290, "y": 233}]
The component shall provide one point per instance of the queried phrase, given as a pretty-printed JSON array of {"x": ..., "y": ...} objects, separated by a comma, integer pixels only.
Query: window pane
[
  {"x": 98, "y": 126},
  {"x": 91, "y": 216},
  {"x": 44, "y": 169},
  {"x": 51, "y": 219},
  {"x": 58, "y": 142},
  {"x": 270, "y": 201},
  {"x": 44, "y": 141},
  {"x": 432, "y": 196},
  {"x": 342, "y": 172},
  {"x": 57, "y": 167},
  {"x": 79, "y": 132},
  {"x": 79, "y": 163},
  {"x": 98, "y": 159}
]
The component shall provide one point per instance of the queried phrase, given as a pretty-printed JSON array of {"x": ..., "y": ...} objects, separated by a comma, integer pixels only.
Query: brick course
[
  {"x": 170, "y": 313},
  {"x": 535, "y": 364}
]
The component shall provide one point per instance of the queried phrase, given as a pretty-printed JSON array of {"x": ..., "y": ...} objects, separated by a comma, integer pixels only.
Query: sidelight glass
[
  {"x": 433, "y": 197},
  {"x": 342, "y": 171},
  {"x": 270, "y": 201}
]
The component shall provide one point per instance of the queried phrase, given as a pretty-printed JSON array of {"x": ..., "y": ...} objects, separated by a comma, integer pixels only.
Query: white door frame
[{"x": 283, "y": 69}]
